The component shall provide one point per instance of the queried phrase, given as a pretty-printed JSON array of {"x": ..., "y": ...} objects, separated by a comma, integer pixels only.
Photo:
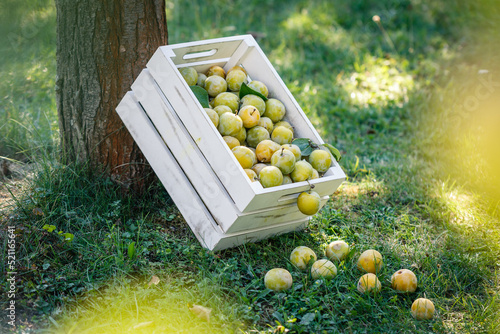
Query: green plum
[
  {"x": 259, "y": 87},
  {"x": 320, "y": 160},
  {"x": 285, "y": 124},
  {"x": 287, "y": 179},
  {"x": 242, "y": 136},
  {"x": 295, "y": 150},
  {"x": 258, "y": 167},
  {"x": 275, "y": 110},
  {"x": 282, "y": 135},
  {"x": 270, "y": 176},
  {"x": 255, "y": 101},
  {"x": 266, "y": 123},
  {"x": 201, "y": 80},
  {"x": 227, "y": 99},
  {"x": 251, "y": 175},
  {"x": 213, "y": 116},
  {"x": 265, "y": 150},
  {"x": 284, "y": 160},
  {"x": 222, "y": 109},
  {"x": 303, "y": 171},
  {"x": 215, "y": 85},
  {"x": 245, "y": 156},
  {"x": 229, "y": 124},
  {"x": 216, "y": 70},
  {"x": 190, "y": 75},
  {"x": 249, "y": 115},
  {"x": 231, "y": 141},
  {"x": 255, "y": 135},
  {"x": 235, "y": 79}
]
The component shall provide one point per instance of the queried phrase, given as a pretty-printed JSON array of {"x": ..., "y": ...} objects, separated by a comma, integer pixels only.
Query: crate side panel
[
  {"x": 172, "y": 177},
  {"x": 201, "y": 129},
  {"x": 234, "y": 240},
  {"x": 186, "y": 153}
]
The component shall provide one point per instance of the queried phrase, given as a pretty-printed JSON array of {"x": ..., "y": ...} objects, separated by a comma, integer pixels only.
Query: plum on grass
[
  {"x": 422, "y": 309},
  {"x": 337, "y": 250},
  {"x": 370, "y": 261},
  {"x": 404, "y": 280},
  {"x": 369, "y": 283},
  {"x": 278, "y": 279},
  {"x": 323, "y": 268},
  {"x": 302, "y": 256}
]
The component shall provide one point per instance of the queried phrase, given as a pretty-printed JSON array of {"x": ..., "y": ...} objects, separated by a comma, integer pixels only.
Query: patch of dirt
[{"x": 13, "y": 180}]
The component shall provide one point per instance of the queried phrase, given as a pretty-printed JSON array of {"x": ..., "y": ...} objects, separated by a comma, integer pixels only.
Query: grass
[{"x": 408, "y": 101}]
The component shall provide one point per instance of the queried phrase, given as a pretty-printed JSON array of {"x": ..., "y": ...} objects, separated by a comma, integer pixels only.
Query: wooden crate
[
  {"x": 217, "y": 199},
  {"x": 199, "y": 217},
  {"x": 228, "y": 52}
]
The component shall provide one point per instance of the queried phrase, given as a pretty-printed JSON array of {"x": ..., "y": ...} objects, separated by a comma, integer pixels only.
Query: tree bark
[{"x": 102, "y": 45}]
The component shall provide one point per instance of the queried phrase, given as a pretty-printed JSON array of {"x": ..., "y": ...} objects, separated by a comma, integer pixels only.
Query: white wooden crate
[
  {"x": 199, "y": 218},
  {"x": 228, "y": 52},
  {"x": 217, "y": 199}
]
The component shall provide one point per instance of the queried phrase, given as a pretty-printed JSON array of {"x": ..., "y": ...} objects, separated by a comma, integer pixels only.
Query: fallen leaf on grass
[
  {"x": 154, "y": 280},
  {"x": 201, "y": 312}
]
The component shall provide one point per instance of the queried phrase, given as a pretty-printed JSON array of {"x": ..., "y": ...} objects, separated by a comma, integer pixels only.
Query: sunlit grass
[
  {"x": 131, "y": 305},
  {"x": 415, "y": 189}
]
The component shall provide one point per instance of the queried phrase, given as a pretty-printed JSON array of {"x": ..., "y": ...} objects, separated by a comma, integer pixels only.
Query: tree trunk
[{"x": 102, "y": 45}]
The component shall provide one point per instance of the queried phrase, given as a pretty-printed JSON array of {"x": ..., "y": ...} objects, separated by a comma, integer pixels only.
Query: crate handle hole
[
  {"x": 289, "y": 197},
  {"x": 199, "y": 54}
]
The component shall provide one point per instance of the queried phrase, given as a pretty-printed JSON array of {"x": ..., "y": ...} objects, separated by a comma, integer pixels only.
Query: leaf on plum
[
  {"x": 245, "y": 90},
  {"x": 201, "y": 94},
  {"x": 306, "y": 145},
  {"x": 334, "y": 151}
]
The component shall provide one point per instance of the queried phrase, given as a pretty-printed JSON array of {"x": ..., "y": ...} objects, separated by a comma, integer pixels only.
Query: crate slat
[{"x": 181, "y": 190}]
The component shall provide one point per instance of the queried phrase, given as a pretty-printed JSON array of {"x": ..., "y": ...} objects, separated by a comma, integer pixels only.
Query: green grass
[
  {"x": 28, "y": 115},
  {"x": 408, "y": 108}
]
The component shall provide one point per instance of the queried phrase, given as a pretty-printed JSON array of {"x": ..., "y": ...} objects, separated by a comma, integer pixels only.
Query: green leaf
[
  {"x": 201, "y": 94},
  {"x": 335, "y": 152},
  {"x": 307, "y": 319},
  {"x": 68, "y": 237},
  {"x": 131, "y": 250},
  {"x": 49, "y": 228},
  {"x": 306, "y": 145},
  {"x": 245, "y": 90}
]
